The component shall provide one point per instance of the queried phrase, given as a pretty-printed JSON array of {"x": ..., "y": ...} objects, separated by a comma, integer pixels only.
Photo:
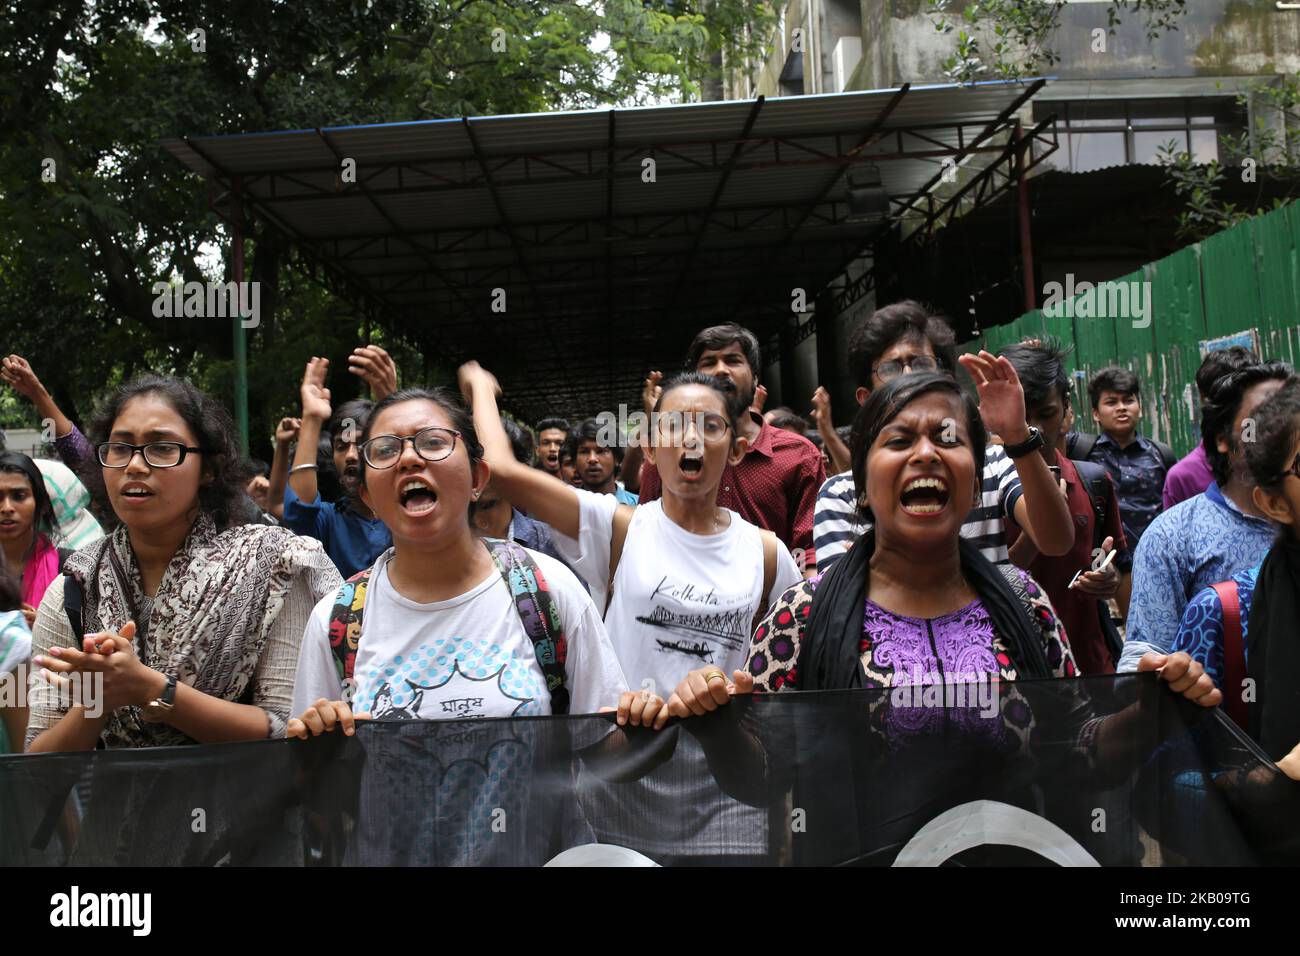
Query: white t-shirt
[
  {"x": 681, "y": 600},
  {"x": 465, "y": 657}
]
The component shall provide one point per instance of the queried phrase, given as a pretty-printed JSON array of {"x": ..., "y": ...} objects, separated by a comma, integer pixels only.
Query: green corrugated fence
[{"x": 1244, "y": 280}]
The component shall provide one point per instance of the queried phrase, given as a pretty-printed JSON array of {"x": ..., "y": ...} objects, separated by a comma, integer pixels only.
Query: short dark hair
[
  {"x": 900, "y": 321},
  {"x": 223, "y": 498},
  {"x": 1219, "y": 362},
  {"x": 1041, "y": 368},
  {"x": 257, "y": 468},
  {"x": 569, "y": 449},
  {"x": 589, "y": 429},
  {"x": 1113, "y": 378},
  {"x": 548, "y": 423},
  {"x": 789, "y": 419},
  {"x": 883, "y": 407},
  {"x": 521, "y": 440},
  {"x": 444, "y": 398},
  {"x": 45, "y": 521},
  {"x": 357, "y": 410},
  {"x": 1277, "y": 425},
  {"x": 719, "y": 337},
  {"x": 730, "y": 401},
  {"x": 1219, "y": 412}
]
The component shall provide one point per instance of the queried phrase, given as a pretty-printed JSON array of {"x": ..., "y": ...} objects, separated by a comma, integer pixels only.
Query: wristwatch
[
  {"x": 1026, "y": 447},
  {"x": 161, "y": 706}
]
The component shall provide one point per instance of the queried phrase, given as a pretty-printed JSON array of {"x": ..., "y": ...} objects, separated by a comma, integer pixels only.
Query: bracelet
[{"x": 311, "y": 465}]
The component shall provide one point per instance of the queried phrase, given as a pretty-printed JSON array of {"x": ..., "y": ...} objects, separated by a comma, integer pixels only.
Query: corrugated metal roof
[{"x": 554, "y": 209}]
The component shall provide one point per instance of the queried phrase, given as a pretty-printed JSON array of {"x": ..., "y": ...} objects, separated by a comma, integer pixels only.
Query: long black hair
[
  {"x": 16, "y": 463},
  {"x": 224, "y": 497},
  {"x": 1219, "y": 413},
  {"x": 885, "y": 404}
]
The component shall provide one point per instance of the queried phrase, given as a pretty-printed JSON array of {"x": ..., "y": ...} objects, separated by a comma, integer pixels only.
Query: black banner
[{"x": 1109, "y": 771}]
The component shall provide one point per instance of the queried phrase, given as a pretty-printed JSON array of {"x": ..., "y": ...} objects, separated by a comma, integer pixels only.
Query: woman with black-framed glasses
[
  {"x": 189, "y": 617},
  {"x": 448, "y": 625}
]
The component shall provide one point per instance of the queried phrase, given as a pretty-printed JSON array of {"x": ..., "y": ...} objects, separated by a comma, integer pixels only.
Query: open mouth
[
  {"x": 692, "y": 461},
  {"x": 136, "y": 493},
  {"x": 417, "y": 498},
  {"x": 924, "y": 496}
]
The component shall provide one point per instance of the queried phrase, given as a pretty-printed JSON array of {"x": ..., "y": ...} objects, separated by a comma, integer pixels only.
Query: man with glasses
[
  {"x": 907, "y": 337},
  {"x": 353, "y": 537},
  {"x": 775, "y": 484}
]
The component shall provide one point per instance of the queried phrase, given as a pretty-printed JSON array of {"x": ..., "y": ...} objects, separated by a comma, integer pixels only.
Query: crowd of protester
[{"x": 395, "y": 547}]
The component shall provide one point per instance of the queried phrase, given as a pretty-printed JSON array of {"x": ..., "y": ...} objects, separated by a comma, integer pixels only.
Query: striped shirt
[{"x": 836, "y": 524}]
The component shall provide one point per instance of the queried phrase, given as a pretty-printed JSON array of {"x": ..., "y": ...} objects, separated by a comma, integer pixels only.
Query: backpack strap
[
  {"x": 1081, "y": 445},
  {"x": 72, "y": 605},
  {"x": 1234, "y": 653},
  {"x": 345, "y": 622},
  {"x": 618, "y": 537},
  {"x": 1096, "y": 480},
  {"x": 539, "y": 614},
  {"x": 769, "y": 577},
  {"x": 1166, "y": 454}
]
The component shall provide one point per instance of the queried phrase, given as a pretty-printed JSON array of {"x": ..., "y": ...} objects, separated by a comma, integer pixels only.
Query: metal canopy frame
[{"x": 606, "y": 274}]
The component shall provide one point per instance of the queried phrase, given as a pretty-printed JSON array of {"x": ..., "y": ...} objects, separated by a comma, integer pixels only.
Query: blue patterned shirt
[
  {"x": 1194, "y": 544},
  {"x": 1139, "y": 475},
  {"x": 1201, "y": 634}
]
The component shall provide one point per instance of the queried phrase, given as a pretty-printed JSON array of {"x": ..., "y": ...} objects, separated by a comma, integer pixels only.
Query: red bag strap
[{"x": 1234, "y": 654}]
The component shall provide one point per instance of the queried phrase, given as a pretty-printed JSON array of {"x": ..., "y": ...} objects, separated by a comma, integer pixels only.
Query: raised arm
[
  {"x": 1041, "y": 510},
  {"x": 284, "y": 435},
  {"x": 315, "y": 413},
  {"x": 841, "y": 458},
  {"x": 16, "y": 371},
  {"x": 547, "y": 499}
]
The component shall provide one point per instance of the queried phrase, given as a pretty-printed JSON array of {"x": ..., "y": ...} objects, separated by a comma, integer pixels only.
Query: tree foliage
[{"x": 94, "y": 85}]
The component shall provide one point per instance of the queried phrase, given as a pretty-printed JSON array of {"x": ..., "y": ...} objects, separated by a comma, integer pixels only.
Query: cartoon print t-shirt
[
  {"x": 466, "y": 657},
  {"x": 681, "y": 600}
]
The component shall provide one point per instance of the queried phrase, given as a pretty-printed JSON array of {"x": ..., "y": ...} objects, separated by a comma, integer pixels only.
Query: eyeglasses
[
  {"x": 672, "y": 425},
  {"x": 1293, "y": 470},
  {"x": 892, "y": 369},
  {"x": 157, "y": 454},
  {"x": 431, "y": 444}
]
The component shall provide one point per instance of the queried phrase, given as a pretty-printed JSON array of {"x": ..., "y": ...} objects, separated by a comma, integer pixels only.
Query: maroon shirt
[
  {"x": 1077, "y": 611},
  {"x": 774, "y": 486}
]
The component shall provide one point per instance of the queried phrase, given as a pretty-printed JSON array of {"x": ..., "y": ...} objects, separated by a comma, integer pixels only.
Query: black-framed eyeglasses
[
  {"x": 892, "y": 369},
  {"x": 431, "y": 444},
  {"x": 157, "y": 454},
  {"x": 672, "y": 425},
  {"x": 1293, "y": 470}
]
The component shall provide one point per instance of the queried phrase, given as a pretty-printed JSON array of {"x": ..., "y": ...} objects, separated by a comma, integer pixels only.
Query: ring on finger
[{"x": 714, "y": 674}]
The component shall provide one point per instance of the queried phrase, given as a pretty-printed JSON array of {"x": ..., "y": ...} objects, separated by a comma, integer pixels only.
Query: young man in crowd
[
  {"x": 1136, "y": 464},
  {"x": 1192, "y": 474},
  {"x": 775, "y": 484},
  {"x": 1080, "y": 602},
  {"x": 568, "y": 462},
  {"x": 907, "y": 337},
  {"x": 597, "y": 463},
  {"x": 353, "y": 537},
  {"x": 496, "y": 517},
  {"x": 551, "y": 433},
  {"x": 1209, "y": 537}
]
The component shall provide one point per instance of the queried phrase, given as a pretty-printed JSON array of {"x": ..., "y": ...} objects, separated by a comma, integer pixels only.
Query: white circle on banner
[
  {"x": 991, "y": 823},
  {"x": 600, "y": 854}
]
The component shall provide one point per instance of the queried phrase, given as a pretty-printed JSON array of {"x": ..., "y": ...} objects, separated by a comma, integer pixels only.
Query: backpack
[
  {"x": 537, "y": 612},
  {"x": 1096, "y": 480},
  {"x": 1078, "y": 445}
]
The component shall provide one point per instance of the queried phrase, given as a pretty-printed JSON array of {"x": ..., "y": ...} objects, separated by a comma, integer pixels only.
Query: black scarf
[
  {"x": 1273, "y": 650},
  {"x": 829, "y": 657}
]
